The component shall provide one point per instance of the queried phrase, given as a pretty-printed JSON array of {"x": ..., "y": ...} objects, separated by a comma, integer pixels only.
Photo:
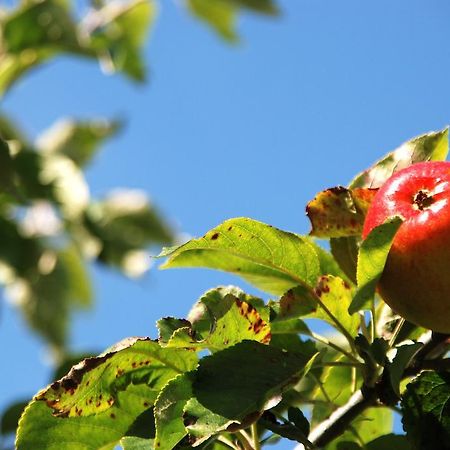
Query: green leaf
[
  {"x": 345, "y": 252},
  {"x": 401, "y": 360},
  {"x": 92, "y": 386},
  {"x": 10, "y": 417},
  {"x": 371, "y": 260},
  {"x": 202, "y": 423},
  {"x": 271, "y": 259},
  {"x": 240, "y": 380},
  {"x": 296, "y": 416},
  {"x": 32, "y": 34},
  {"x": 339, "y": 212},
  {"x": 168, "y": 325},
  {"x": 328, "y": 263},
  {"x": 121, "y": 32},
  {"x": 123, "y": 225},
  {"x": 39, "y": 429},
  {"x": 78, "y": 140},
  {"x": 335, "y": 295},
  {"x": 221, "y": 15},
  {"x": 389, "y": 441},
  {"x": 426, "y": 411},
  {"x": 169, "y": 409},
  {"x": 431, "y": 146},
  {"x": 136, "y": 443}
]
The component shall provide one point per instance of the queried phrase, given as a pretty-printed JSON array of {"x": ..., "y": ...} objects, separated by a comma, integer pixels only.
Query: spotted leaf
[
  {"x": 339, "y": 212},
  {"x": 92, "y": 385},
  {"x": 271, "y": 259}
]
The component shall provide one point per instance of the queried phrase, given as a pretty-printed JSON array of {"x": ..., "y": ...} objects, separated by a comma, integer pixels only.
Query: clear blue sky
[{"x": 304, "y": 103}]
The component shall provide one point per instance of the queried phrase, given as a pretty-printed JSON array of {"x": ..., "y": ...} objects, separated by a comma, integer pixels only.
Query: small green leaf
[
  {"x": 92, "y": 385},
  {"x": 426, "y": 411},
  {"x": 339, "y": 212},
  {"x": 335, "y": 295},
  {"x": 431, "y": 146},
  {"x": 371, "y": 260},
  {"x": 271, "y": 259},
  {"x": 401, "y": 360},
  {"x": 168, "y": 325},
  {"x": 345, "y": 252},
  {"x": 169, "y": 409}
]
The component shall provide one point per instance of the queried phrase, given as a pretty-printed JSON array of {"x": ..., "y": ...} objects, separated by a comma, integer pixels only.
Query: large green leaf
[
  {"x": 431, "y": 146},
  {"x": 267, "y": 257},
  {"x": 371, "y": 260},
  {"x": 426, "y": 411},
  {"x": 240, "y": 380},
  {"x": 39, "y": 429},
  {"x": 92, "y": 385}
]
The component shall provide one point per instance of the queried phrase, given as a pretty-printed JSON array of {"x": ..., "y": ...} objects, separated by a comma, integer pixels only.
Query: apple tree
[{"x": 240, "y": 372}]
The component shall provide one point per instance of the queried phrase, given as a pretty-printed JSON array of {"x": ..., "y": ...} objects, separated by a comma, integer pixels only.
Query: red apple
[{"x": 416, "y": 279}]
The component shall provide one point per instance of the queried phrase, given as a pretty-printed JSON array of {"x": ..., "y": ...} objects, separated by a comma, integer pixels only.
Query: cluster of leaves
[{"x": 240, "y": 372}]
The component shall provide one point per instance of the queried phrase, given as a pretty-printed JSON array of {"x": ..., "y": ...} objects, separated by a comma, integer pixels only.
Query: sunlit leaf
[
  {"x": 39, "y": 429},
  {"x": 426, "y": 411},
  {"x": 431, "y": 146},
  {"x": 335, "y": 298},
  {"x": 271, "y": 259},
  {"x": 339, "y": 212},
  {"x": 169, "y": 409},
  {"x": 91, "y": 386},
  {"x": 371, "y": 260}
]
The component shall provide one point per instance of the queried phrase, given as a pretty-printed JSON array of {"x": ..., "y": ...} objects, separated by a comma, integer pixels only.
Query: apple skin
[{"x": 416, "y": 279}]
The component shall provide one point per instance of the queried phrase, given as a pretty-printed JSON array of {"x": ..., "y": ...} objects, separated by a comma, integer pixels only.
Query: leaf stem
[
  {"x": 228, "y": 442},
  {"x": 255, "y": 436},
  {"x": 323, "y": 340},
  {"x": 396, "y": 331}
]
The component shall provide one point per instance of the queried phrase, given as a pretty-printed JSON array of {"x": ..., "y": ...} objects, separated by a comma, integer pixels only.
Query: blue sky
[{"x": 305, "y": 102}]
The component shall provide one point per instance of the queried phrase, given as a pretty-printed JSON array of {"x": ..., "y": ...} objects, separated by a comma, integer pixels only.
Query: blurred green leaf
[
  {"x": 78, "y": 140},
  {"x": 426, "y": 411},
  {"x": 389, "y": 441},
  {"x": 124, "y": 224},
  {"x": 10, "y": 417},
  {"x": 371, "y": 260},
  {"x": 221, "y": 15},
  {"x": 431, "y": 146},
  {"x": 271, "y": 259},
  {"x": 339, "y": 212},
  {"x": 119, "y": 32},
  {"x": 233, "y": 321}
]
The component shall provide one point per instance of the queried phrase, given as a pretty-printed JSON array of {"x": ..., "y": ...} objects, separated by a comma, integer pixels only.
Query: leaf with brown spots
[
  {"x": 271, "y": 259},
  {"x": 92, "y": 385},
  {"x": 338, "y": 212},
  {"x": 231, "y": 321},
  {"x": 431, "y": 146},
  {"x": 40, "y": 429}
]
